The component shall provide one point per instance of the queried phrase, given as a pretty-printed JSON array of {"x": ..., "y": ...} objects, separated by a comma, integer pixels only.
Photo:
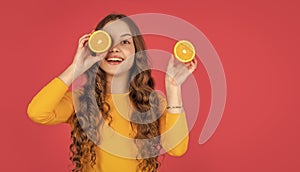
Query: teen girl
[{"x": 116, "y": 102}]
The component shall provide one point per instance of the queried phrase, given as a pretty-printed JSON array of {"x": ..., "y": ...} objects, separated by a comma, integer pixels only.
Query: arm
[
  {"x": 174, "y": 131},
  {"x": 52, "y": 105},
  {"x": 174, "y": 128}
]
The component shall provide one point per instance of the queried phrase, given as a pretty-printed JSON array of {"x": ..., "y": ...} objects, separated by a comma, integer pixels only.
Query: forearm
[
  {"x": 175, "y": 135},
  {"x": 68, "y": 75},
  {"x": 174, "y": 98},
  {"x": 175, "y": 128}
]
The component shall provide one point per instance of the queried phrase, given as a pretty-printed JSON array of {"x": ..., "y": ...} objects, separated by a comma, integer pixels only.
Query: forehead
[{"x": 116, "y": 28}]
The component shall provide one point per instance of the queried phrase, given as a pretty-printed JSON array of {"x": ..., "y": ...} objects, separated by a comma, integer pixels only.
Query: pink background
[{"x": 258, "y": 44}]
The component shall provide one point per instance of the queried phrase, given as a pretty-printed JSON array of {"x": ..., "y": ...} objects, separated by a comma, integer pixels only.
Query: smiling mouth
[{"x": 114, "y": 60}]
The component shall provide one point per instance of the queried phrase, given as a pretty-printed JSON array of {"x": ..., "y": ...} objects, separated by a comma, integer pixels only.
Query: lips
[{"x": 114, "y": 60}]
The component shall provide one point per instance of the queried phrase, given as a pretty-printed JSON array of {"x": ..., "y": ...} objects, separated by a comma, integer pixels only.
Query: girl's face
[{"x": 120, "y": 56}]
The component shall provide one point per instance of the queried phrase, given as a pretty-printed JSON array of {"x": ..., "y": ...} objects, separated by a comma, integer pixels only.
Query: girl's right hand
[{"x": 83, "y": 59}]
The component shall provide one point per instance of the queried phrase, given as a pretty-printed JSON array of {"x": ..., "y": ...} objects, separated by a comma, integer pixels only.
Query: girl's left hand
[{"x": 177, "y": 71}]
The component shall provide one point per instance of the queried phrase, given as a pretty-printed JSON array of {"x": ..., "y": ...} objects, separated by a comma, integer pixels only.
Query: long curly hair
[{"x": 86, "y": 121}]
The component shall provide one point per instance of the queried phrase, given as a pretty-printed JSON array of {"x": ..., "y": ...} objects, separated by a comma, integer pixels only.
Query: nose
[{"x": 114, "y": 49}]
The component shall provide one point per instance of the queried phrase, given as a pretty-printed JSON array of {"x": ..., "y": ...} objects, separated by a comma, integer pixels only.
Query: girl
[{"x": 117, "y": 101}]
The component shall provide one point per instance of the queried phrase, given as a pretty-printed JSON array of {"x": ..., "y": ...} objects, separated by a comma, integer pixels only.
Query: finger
[
  {"x": 171, "y": 63},
  {"x": 100, "y": 57},
  {"x": 171, "y": 60},
  {"x": 196, "y": 62},
  {"x": 84, "y": 36},
  {"x": 192, "y": 64},
  {"x": 183, "y": 68},
  {"x": 94, "y": 59},
  {"x": 192, "y": 68},
  {"x": 181, "y": 76},
  {"x": 180, "y": 64},
  {"x": 193, "y": 61},
  {"x": 83, "y": 41},
  {"x": 177, "y": 62},
  {"x": 188, "y": 64},
  {"x": 180, "y": 71},
  {"x": 186, "y": 67},
  {"x": 97, "y": 57}
]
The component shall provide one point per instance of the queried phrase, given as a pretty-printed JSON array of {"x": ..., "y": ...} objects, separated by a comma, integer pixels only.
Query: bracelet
[{"x": 174, "y": 107}]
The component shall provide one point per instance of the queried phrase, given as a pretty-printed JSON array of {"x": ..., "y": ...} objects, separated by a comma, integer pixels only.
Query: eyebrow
[{"x": 126, "y": 34}]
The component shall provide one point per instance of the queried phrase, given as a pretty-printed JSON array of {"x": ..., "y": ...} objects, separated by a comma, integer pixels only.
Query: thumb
[
  {"x": 171, "y": 62},
  {"x": 170, "y": 69},
  {"x": 172, "y": 59}
]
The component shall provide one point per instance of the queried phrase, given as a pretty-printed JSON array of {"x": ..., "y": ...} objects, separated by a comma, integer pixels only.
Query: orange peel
[
  {"x": 99, "y": 41},
  {"x": 184, "y": 51}
]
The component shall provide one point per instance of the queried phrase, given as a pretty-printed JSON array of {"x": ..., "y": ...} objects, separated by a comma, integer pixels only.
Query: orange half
[
  {"x": 184, "y": 51},
  {"x": 99, "y": 41}
]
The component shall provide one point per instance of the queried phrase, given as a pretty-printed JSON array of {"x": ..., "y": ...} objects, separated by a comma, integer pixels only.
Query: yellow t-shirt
[{"x": 54, "y": 105}]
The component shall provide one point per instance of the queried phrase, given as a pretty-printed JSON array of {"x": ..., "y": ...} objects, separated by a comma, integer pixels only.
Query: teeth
[{"x": 114, "y": 59}]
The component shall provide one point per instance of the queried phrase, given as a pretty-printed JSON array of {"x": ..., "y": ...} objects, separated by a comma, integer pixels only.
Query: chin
[{"x": 113, "y": 72}]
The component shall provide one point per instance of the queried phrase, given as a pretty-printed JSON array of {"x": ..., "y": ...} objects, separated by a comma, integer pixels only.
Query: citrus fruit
[
  {"x": 184, "y": 51},
  {"x": 99, "y": 41}
]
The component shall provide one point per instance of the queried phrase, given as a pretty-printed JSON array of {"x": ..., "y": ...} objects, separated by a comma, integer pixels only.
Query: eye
[{"x": 125, "y": 42}]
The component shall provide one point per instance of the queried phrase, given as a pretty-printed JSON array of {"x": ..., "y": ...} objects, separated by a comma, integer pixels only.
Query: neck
[{"x": 117, "y": 84}]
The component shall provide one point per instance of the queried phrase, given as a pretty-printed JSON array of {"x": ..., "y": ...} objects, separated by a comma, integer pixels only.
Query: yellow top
[{"x": 54, "y": 104}]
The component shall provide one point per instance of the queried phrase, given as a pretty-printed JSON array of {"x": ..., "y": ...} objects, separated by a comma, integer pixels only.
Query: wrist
[
  {"x": 171, "y": 82},
  {"x": 173, "y": 89},
  {"x": 175, "y": 109},
  {"x": 68, "y": 75}
]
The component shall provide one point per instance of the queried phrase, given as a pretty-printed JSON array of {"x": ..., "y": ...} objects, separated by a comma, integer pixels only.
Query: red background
[{"x": 258, "y": 44}]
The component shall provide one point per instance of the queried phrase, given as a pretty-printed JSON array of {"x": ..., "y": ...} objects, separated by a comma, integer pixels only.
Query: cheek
[
  {"x": 130, "y": 50},
  {"x": 130, "y": 60}
]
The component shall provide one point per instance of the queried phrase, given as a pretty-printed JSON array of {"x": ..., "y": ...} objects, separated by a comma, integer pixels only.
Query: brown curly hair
[{"x": 86, "y": 122}]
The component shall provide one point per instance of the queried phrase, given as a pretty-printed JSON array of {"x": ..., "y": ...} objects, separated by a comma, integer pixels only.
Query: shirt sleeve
[
  {"x": 174, "y": 131},
  {"x": 52, "y": 104}
]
